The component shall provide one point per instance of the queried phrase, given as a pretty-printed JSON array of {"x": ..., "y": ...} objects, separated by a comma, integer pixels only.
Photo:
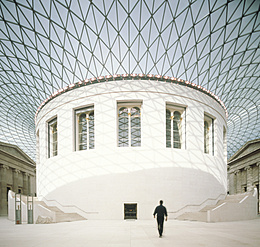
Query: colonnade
[
  {"x": 15, "y": 180},
  {"x": 244, "y": 179}
]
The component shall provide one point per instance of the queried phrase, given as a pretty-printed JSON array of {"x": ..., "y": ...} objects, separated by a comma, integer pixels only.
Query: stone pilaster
[
  {"x": 3, "y": 185},
  {"x": 232, "y": 183},
  {"x": 249, "y": 178},
  {"x": 238, "y": 181},
  {"x": 25, "y": 183},
  {"x": 258, "y": 164},
  {"x": 235, "y": 182},
  {"x": 258, "y": 192},
  {"x": 15, "y": 180}
]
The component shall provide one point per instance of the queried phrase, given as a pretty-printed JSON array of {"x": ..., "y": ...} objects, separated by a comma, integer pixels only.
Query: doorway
[{"x": 130, "y": 211}]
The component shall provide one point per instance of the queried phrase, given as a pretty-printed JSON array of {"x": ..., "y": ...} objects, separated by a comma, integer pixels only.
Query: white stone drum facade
[{"x": 105, "y": 176}]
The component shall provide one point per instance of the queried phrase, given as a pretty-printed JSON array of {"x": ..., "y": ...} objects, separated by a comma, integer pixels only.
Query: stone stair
[
  {"x": 202, "y": 214},
  {"x": 60, "y": 215},
  {"x": 193, "y": 216}
]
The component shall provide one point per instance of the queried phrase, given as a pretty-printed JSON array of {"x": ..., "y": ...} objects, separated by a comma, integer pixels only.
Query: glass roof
[{"x": 46, "y": 45}]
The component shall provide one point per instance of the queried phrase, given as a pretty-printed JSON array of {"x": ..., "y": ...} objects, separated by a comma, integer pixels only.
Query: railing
[
  {"x": 232, "y": 210},
  {"x": 197, "y": 207},
  {"x": 68, "y": 208},
  {"x": 20, "y": 208}
]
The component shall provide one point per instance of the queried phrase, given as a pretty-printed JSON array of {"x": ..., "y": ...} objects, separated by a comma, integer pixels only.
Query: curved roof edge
[{"x": 130, "y": 77}]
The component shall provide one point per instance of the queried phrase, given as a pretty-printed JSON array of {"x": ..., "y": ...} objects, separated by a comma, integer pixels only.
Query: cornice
[
  {"x": 6, "y": 154},
  {"x": 123, "y": 77}
]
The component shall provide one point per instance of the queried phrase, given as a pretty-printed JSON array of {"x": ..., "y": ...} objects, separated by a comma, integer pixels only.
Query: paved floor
[{"x": 138, "y": 233}]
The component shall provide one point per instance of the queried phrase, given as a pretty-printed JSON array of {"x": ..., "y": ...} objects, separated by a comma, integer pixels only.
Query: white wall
[{"x": 102, "y": 179}]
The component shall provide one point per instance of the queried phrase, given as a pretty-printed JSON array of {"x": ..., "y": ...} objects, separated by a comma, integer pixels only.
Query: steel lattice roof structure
[{"x": 46, "y": 45}]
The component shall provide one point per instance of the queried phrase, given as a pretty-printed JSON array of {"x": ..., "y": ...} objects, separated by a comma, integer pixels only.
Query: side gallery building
[{"x": 114, "y": 146}]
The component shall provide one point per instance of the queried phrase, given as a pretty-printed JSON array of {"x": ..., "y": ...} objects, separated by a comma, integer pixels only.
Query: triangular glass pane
[{"x": 42, "y": 24}]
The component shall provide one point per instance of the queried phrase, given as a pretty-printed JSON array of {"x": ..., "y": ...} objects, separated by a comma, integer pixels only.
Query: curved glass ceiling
[{"x": 46, "y": 45}]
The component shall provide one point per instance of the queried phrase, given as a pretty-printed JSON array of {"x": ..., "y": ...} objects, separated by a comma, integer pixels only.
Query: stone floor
[{"x": 140, "y": 233}]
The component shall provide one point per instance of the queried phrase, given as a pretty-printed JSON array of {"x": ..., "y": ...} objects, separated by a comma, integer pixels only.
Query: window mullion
[
  {"x": 172, "y": 132},
  {"x": 129, "y": 127},
  {"x": 87, "y": 116},
  {"x": 77, "y": 132}
]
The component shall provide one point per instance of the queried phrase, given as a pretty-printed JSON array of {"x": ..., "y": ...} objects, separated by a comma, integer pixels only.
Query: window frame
[
  {"x": 129, "y": 105},
  {"x": 51, "y": 151},
  {"x": 77, "y": 112},
  {"x": 211, "y": 132},
  {"x": 182, "y": 110},
  {"x": 225, "y": 142}
]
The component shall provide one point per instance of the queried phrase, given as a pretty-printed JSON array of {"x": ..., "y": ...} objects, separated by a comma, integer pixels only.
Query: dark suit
[{"x": 161, "y": 212}]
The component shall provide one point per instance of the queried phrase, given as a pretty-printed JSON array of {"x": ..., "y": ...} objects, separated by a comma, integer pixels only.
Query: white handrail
[
  {"x": 219, "y": 206},
  {"x": 198, "y": 205}
]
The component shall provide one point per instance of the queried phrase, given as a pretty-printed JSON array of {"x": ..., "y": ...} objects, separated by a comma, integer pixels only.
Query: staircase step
[
  {"x": 68, "y": 217},
  {"x": 202, "y": 214},
  {"x": 193, "y": 216},
  {"x": 62, "y": 216},
  {"x": 54, "y": 209}
]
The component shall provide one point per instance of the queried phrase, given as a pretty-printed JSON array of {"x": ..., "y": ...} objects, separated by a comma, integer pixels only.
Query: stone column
[
  {"x": 238, "y": 181},
  {"x": 235, "y": 182},
  {"x": 232, "y": 183},
  {"x": 1, "y": 188},
  {"x": 249, "y": 178},
  {"x": 3, "y": 184},
  {"x": 258, "y": 195},
  {"x": 258, "y": 164},
  {"x": 15, "y": 180},
  {"x": 25, "y": 183}
]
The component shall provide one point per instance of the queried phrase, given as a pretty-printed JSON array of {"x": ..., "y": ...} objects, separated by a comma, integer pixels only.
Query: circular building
[{"x": 114, "y": 146}]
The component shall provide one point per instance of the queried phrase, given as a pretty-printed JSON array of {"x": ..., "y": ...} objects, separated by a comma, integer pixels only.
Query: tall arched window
[
  {"x": 85, "y": 135},
  {"x": 208, "y": 135},
  {"x": 52, "y": 138},
  {"x": 175, "y": 136},
  {"x": 129, "y": 125}
]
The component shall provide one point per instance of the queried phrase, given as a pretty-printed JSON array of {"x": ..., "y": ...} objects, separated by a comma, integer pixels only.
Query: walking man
[{"x": 161, "y": 212}]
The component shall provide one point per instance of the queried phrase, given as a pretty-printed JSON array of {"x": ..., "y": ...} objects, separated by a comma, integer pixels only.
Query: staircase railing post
[
  {"x": 18, "y": 208},
  {"x": 30, "y": 209}
]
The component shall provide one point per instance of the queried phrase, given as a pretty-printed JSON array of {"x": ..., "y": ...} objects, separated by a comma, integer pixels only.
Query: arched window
[
  {"x": 52, "y": 138},
  {"x": 174, "y": 127},
  {"x": 85, "y": 137},
  {"x": 206, "y": 137},
  {"x": 129, "y": 126}
]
